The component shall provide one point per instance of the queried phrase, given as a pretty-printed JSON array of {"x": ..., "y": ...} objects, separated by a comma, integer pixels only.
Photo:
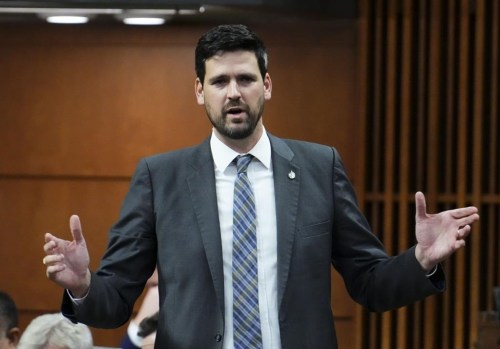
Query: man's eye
[
  {"x": 246, "y": 79},
  {"x": 219, "y": 82}
]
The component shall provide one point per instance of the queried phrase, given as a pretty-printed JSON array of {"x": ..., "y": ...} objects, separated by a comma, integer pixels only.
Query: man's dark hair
[
  {"x": 8, "y": 313},
  {"x": 229, "y": 38}
]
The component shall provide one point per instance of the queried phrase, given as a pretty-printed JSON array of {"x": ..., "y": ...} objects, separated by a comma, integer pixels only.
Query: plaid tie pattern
[{"x": 246, "y": 319}]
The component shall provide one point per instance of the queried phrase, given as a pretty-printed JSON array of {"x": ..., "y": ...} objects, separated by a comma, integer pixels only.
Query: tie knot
[{"x": 242, "y": 162}]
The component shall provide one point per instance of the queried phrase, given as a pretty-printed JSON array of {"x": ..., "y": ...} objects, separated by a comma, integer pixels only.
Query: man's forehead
[
  {"x": 232, "y": 62},
  {"x": 225, "y": 57}
]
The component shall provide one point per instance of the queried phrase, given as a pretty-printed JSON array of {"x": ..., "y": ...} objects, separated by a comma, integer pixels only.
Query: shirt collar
[{"x": 223, "y": 155}]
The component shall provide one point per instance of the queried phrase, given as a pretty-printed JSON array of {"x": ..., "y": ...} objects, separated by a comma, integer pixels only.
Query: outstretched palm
[{"x": 440, "y": 235}]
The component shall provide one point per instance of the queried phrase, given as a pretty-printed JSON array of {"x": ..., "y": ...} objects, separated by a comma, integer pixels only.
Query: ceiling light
[
  {"x": 61, "y": 11},
  {"x": 144, "y": 20},
  {"x": 149, "y": 12},
  {"x": 67, "y": 19},
  {"x": 191, "y": 11},
  {"x": 188, "y": 12}
]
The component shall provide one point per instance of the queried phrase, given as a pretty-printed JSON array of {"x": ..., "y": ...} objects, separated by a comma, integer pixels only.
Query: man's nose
[{"x": 233, "y": 91}]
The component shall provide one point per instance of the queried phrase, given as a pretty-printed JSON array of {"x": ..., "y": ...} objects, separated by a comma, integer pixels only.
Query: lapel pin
[{"x": 291, "y": 175}]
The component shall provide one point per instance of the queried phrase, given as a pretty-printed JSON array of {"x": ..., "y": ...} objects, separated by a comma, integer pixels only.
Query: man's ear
[
  {"x": 268, "y": 87},
  {"x": 198, "y": 90},
  {"x": 13, "y": 335}
]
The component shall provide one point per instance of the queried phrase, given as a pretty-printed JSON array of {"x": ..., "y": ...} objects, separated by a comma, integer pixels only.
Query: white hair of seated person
[{"x": 54, "y": 331}]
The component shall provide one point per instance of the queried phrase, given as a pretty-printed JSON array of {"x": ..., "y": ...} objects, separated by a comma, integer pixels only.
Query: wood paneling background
[
  {"x": 429, "y": 103},
  {"x": 80, "y": 105}
]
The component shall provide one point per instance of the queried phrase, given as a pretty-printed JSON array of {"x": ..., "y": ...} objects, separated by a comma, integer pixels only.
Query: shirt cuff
[
  {"x": 74, "y": 300},
  {"x": 432, "y": 272}
]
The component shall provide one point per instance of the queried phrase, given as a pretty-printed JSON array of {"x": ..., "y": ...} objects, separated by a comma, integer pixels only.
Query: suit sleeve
[
  {"x": 126, "y": 265},
  {"x": 374, "y": 279}
]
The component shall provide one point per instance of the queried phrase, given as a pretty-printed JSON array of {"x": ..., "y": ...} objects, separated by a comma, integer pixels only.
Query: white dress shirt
[{"x": 260, "y": 174}]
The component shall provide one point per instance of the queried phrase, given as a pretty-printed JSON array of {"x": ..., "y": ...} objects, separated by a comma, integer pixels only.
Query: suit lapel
[
  {"x": 286, "y": 186},
  {"x": 204, "y": 199}
]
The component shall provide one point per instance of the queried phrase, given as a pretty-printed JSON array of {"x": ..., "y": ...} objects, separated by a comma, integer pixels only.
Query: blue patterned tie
[{"x": 246, "y": 319}]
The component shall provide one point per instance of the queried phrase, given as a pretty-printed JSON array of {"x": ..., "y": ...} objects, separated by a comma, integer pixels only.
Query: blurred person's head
[
  {"x": 54, "y": 331},
  {"x": 9, "y": 330}
]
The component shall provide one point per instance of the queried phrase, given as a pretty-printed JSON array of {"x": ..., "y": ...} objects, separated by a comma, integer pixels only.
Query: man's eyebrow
[
  {"x": 238, "y": 76},
  {"x": 248, "y": 75},
  {"x": 217, "y": 77}
]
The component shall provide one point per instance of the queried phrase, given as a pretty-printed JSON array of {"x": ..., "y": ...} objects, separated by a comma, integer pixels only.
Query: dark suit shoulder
[
  {"x": 173, "y": 155},
  {"x": 304, "y": 150},
  {"x": 192, "y": 157},
  {"x": 309, "y": 146}
]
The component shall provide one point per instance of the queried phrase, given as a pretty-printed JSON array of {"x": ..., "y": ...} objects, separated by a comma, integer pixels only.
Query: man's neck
[{"x": 244, "y": 145}]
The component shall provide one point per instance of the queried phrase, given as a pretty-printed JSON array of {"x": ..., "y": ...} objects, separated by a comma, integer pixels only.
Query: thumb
[
  {"x": 420, "y": 206},
  {"x": 76, "y": 229}
]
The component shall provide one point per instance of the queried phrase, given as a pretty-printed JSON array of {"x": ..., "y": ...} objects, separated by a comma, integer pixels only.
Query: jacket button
[{"x": 218, "y": 337}]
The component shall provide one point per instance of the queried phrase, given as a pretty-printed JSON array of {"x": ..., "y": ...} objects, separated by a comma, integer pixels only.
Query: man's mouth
[{"x": 235, "y": 110}]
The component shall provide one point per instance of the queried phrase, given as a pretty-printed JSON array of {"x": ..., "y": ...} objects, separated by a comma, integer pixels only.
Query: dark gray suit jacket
[{"x": 170, "y": 218}]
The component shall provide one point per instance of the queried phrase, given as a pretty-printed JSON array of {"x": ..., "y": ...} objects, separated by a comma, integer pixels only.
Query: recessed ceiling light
[
  {"x": 144, "y": 20},
  {"x": 67, "y": 19},
  {"x": 149, "y": 12},
  {"x": 185, "y": 11}
]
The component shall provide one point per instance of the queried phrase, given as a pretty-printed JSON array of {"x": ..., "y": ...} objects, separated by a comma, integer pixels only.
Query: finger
[
  {"x": 76, "y": 229},
  {"x": 49, "y": 237},
  {"x": 54, "y": 269},
  {"x": 52, "y": 259},
  {"x": 51, "y": 243},
  {"x": 463, "y": 232},
  {"x": 459, "y": 244},
  {"x": 464, "y": 212},
  {"x": 420, "y": 206},
  {"x": 468, "y": 220},
  {"x": 49, "y": 247}
]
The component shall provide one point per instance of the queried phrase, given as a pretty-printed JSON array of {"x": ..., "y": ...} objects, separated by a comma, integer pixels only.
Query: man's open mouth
[{"x": 235, "y": 110}]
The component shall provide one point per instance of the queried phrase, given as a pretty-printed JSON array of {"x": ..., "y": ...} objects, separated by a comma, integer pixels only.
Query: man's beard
[{"x": 236, "y": 131}]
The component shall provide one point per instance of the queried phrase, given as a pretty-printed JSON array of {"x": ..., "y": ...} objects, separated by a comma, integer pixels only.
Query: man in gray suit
[{"x": 178, "y": 215}]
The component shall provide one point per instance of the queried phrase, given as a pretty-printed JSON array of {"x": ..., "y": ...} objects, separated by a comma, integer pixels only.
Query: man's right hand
[{"x": 67, "y": 262}]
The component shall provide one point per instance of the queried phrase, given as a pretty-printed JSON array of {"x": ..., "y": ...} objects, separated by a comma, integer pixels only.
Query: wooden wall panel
[
  {"x": 29, "y": 207},
  {"x": 431, "y": 121},
  {"x": 80, "y": 105},
  {"x": 131, "y": 98},
  {"x": 88, "y": 97},
  {"x": 48, "y": 203}
]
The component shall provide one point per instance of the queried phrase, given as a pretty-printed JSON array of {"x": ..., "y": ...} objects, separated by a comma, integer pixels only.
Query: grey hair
[{"x": 55, "y": 329}]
